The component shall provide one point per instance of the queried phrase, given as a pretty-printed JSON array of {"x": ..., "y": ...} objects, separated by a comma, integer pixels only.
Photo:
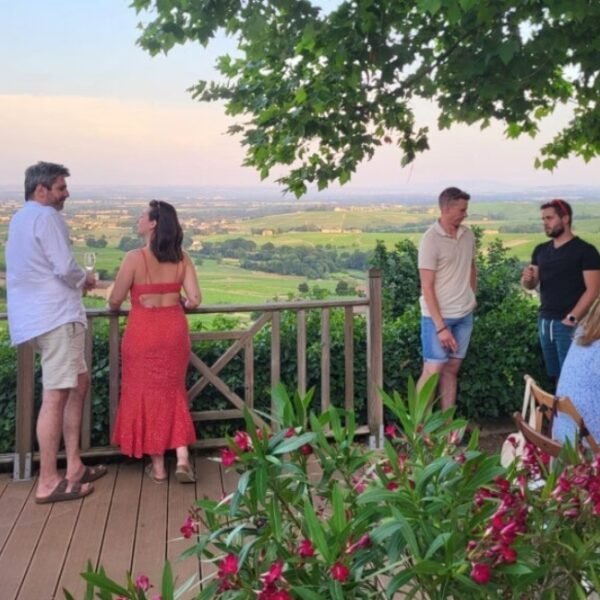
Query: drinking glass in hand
[{"x": 89, "y": 262}]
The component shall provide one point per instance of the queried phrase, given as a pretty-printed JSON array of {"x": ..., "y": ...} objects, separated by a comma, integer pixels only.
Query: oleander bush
[{"x": 316, "y": 515}]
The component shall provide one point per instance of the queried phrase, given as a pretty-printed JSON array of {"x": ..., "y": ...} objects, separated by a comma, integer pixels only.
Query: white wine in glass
[{"x": 89, "y": 261}]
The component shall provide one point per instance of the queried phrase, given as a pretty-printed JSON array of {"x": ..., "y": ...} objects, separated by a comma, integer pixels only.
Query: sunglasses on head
[{"x": 560, "y": 206}]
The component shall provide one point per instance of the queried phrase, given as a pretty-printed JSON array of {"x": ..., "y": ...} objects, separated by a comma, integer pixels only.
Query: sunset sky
[{"x": 76, "y": 89}]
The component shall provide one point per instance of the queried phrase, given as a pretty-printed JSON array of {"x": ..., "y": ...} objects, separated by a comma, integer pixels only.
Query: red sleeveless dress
[{"x": 153, "y": 414}]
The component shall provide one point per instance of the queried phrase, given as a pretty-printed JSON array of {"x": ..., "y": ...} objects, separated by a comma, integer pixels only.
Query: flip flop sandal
[
  {"x": 60, "y": 494},
  {"x": 185, "y": 474},
  {"x": 92, "y": 473},
  {"x": 150, "y": 473}
]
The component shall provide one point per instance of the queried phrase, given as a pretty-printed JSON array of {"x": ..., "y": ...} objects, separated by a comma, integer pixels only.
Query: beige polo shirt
[{"x": 451, "y": 259}]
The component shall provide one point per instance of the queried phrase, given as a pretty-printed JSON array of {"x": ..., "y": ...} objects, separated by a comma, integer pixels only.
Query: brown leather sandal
[
  {"x": 185, "y": 474},
  {"x": 60, "y": 494}
]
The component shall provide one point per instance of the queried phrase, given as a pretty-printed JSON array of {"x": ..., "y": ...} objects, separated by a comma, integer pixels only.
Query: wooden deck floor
[{"x": 127, "y": 523}]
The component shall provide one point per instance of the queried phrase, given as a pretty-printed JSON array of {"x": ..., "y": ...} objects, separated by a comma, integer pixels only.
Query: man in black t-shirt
[{"x": 568, "y": 272}]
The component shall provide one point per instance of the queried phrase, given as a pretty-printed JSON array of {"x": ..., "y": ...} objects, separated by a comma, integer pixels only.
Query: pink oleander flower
[
  {"x": 454, "y": 437},
  {"x": 228, "y": 566},
  {"x": 243, "y": 440},
  {"x": 392, "y": 485},
  {"x": 481, "y": 573},
  {"x": 481, "y": 495},
  {"x": 273, "y": 593},
  {"x": 306, "y": 449},
  {"x": 228, "y": 457},
  {"x": 273, "y": 574},
  {"x": 402, "y": 458},
  {"x": 340, "y": 572},
  {"x": 460, "y": 458},
  {"x": 189, "y": 528},
  {"x": 306, "y": 549},
  {"x": 391, "y": 431},
  {"x": 503, "y": 484},
  {"x": 363, "y": 542},
  {"x": 509, "y": 555},
  {"x": 142, "y": 583},
  {"x": 291, "y": 432},
  {"x": 359, "y": 485}
]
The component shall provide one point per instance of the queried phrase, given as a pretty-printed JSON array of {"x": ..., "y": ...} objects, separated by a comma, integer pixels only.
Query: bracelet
[{"x": 441, "y": 329}]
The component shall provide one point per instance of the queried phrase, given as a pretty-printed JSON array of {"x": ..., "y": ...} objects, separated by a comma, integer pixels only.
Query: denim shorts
[{"x": 433, "y": 351}]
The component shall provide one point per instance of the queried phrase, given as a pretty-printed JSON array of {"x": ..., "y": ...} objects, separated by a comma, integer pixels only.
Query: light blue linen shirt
[
  {"x": 43, "y": 281},
  {"x": 580, "y": 381}
]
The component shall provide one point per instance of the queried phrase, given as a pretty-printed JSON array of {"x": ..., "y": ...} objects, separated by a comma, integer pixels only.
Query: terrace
[{"x": 129, "y": 522}]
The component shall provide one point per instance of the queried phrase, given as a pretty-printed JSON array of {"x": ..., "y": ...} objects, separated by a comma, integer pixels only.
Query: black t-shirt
[{"x": 561, "y": 274}]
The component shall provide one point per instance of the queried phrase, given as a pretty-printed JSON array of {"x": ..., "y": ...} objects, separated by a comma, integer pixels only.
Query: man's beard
[{"x": 556, "y": 231}]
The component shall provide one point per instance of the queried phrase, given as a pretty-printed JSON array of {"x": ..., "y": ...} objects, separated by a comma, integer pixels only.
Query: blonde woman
[
  {"x": 580, "y": 378},
  {"x": 153, "y": 414}
]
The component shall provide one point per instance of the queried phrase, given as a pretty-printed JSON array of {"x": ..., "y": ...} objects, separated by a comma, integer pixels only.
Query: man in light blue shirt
[{"x": 44, "y": 287}]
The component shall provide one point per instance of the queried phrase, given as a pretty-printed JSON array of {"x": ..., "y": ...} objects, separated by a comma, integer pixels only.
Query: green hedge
[{"x": 504, "y": 347}]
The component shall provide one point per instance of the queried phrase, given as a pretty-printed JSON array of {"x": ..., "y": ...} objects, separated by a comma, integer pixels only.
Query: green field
[{"x": 225, "y": 282}]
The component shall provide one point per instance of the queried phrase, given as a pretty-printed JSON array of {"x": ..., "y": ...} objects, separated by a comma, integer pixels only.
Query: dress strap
[{"x": 147, "y": 278}]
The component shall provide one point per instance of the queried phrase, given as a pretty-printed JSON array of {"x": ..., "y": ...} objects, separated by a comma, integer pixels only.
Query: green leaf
[
  {"x": 305, "y": 593},
  {"x": 508, "y": 50},
  {"x": 100, "y": 580},
  {"x": 208, "y": 591},
  {"x": 338, "y": 520},
  {"x": 301, "y": 96},
  {"x": 398, "y": 581},
  {"x": 439, "y": 542},
  {"x": 516, "y": 569},
  {"x": 275, "y": 520},
  {"x": 291, "y": 444},
  {"x": 315, "y": 530},
  {"x": 167, "y": 588}
]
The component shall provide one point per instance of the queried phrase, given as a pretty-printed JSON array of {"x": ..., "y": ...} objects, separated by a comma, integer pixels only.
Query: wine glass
[{"x": 89, "y": 261}]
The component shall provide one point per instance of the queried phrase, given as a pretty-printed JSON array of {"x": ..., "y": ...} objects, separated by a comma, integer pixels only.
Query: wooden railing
[{"x": 242, "y": 341}]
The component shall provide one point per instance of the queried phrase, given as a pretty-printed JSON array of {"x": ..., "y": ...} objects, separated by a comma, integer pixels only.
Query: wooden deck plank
[
  {"x": 127, "y": 524},
  {"x": 12, "y": 502},
  {"x": 21, "y": 545},
  {"x": 150, "y": 551},
  {"x": 229, "y": 479},
  {"x": 5, "y": 479},
  {"x": 116, "y": 555},
  {"x": 182, "y": 498},
  {"x": 46, "y": 565},
  {"x": 88, "y": 535},
  {"x": 210, "y": 486}
]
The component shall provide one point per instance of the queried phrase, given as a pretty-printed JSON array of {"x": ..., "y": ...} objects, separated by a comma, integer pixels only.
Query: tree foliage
[{"x": 318, "y": 91}]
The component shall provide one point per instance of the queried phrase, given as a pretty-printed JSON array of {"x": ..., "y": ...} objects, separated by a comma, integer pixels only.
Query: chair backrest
[
  {"x": 537, "y": 438},
  {"x": 547, "y": 407}
]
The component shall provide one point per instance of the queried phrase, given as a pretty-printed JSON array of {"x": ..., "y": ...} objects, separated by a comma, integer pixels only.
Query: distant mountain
[{"x": 215, "y": 195}]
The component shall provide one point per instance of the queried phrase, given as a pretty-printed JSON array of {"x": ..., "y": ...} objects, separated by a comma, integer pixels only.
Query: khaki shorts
[{"x": 62, "y": 354}]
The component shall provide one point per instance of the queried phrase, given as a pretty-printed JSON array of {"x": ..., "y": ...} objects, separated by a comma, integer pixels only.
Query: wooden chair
[
  {"x": 537, "y": 438},
  {"x": 547, "y": 406}
]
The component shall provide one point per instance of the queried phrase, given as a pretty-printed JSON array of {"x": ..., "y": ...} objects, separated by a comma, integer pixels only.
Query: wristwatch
[{"x": 572, "y": 319}]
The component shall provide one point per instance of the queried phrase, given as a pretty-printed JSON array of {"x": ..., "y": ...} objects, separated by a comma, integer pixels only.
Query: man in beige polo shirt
[{"x": 448, "y": 285}]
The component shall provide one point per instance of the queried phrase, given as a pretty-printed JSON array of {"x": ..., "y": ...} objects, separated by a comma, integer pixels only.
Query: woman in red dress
[{"x": 153, "y": 414}]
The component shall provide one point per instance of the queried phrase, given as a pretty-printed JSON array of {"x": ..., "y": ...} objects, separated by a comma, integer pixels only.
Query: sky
[{"x": 76, "y": 89}]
